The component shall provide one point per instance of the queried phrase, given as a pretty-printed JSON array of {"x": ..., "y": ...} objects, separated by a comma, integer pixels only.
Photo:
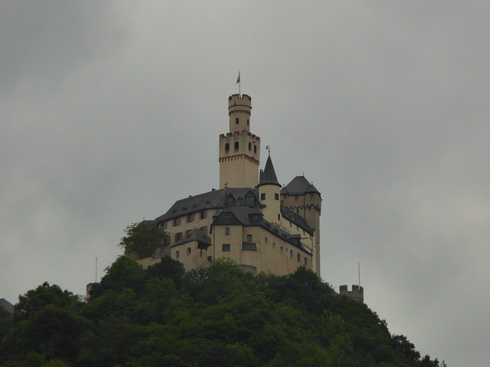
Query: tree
[
  {"x": 143, "y": 239},
  {"x": 46, "y": 322},
  {"x": 124, "y": 273}
]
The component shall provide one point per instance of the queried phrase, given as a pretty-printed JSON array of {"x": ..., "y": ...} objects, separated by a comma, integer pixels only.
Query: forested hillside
[{"x": 215, "y": 316}]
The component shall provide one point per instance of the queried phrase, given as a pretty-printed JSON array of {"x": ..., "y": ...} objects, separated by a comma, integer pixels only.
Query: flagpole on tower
[{"x": 239, "y": 85}]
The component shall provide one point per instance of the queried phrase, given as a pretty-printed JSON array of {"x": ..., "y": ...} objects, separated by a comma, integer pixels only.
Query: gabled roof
[
  {"x": 299, "y": 186},
  {"x": 268, "y": 175},
  {"x": 296, "y": 219},
  {"x": 195, "y": 234},
  {"x": 215, "y": 199}
]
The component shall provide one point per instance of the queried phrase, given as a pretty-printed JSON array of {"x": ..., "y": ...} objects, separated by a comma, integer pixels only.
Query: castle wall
[
  {"x": 308, "y": 206},
  {"x": 357, "y": 292},
  {"x": 252, "y": 247}
]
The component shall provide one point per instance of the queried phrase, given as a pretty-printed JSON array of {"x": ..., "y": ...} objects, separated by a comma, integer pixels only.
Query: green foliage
[
  {"x": 47, "y": 326},
  {"x": 124, "y": 273},
  {"x": 142, "y": 239},
  {"x": 6, "y": 322},
  {"x": 213, "y": 316}
]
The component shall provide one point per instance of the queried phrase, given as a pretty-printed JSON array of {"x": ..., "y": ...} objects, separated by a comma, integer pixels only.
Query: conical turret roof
[{"x": 268, "y": 174}]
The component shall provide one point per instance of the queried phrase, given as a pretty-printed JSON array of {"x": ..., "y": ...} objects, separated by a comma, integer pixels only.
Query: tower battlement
[
  {"x": 240, "y": 100},
  {"x": 227, "y": 135},
  {"x": 239, "y": 149},
  {"x": 357, "y": 292},
  {"x": 239, "y": 111}
]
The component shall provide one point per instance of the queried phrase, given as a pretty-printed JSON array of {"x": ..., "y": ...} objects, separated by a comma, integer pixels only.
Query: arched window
[
  {"x": 237, "y": 145},
  {"x": 227, "y": 147}
]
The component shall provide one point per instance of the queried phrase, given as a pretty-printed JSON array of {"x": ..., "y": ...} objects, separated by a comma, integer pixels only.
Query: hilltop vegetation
[{"x": 214, "y": 316}]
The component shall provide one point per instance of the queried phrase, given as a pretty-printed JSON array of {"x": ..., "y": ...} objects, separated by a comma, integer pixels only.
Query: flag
[{"x": 238, "y": 79}]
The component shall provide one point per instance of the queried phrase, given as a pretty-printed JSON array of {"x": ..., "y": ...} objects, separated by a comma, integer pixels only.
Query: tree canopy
[
  {"x": 213, "y": 316},
  {"x": 143, "y": 239}
]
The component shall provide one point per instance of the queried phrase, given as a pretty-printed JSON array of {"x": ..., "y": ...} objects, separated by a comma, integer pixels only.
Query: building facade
[{"x": 251, "y": 218}]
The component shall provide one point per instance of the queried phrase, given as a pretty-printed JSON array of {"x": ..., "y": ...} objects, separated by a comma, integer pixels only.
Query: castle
[{"x": 251, "y": 218}]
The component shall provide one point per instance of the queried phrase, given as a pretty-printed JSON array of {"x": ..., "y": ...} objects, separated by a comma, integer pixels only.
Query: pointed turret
[
  {"x": 268, "y": 174},
  {"x": 269, "y": 192}
]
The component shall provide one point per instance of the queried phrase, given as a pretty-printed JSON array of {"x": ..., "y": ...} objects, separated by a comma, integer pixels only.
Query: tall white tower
[{"x": 239, "y": 149}]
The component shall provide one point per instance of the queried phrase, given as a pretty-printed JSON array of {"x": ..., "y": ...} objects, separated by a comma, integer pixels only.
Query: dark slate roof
[
  {"x": 296, "y": 219},
  {"x": 268, "y": 175},
  {"x": 299, "y": 186},
  {"x": 234, "y": 206},
  {"x": 203, "y": 240},
  {"x": 215, "y": 199},
  {"x": 6, "y": 305}
]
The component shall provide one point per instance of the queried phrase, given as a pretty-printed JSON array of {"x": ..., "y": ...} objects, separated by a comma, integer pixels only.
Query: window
[
  {"x": 306, "y": 261},
  {"x": 189, "y": 250},
  {"x": 176, "y": 221},
  {"x": 177, "y": 254},
  {"x": 227, "y": 147},
  {"x": 249, "y": 238},
  {"x": 204, "y": 229},
  {"x": 187, "y": 233},
  {"x": 167, "y": 240},
  {"x": 248, "y": 122},
  {"x": 203, "y": 214},
  {"x": 227, "y": 231},
  {"x": 249, "y": 146},
  {"x": 237, "y": 145},
  {"x": 225, "y": 247},
  {"x": 299, "y": 257},
  {"x": 237, "y": 120},
  {"x": 255, "y": 148},
  {"x": 276, "y": 196},
  {"x": 290, "y": 253},
  {"x": 178, "y": 236},
  {"x": 262, "y": 196},
  {"x": 279, "y": 217},
  {"x": 227, "y": 216},
  {"x": 265, "y": 239},
  {"x": 190, "y": 218}
]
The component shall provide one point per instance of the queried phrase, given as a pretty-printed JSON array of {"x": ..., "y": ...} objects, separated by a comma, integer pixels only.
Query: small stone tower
[
  {"x": 303, "y": 198},
  {"x": 239, "y": 149},
  {"x": 357, "y": 292},
  {"x": 269, "y": 192}
]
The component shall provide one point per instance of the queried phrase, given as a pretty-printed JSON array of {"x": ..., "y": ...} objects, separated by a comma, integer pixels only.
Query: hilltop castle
[{"x": 251, "y": 218}]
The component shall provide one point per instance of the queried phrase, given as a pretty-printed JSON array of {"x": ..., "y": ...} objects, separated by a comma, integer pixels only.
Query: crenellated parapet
[
  {"x": 234, "y": 157},
  {"x": 239, "y": 149},
  {"x": 230, "y": 134},
  {"x": 357, "y": 292},
  {"x": 239, "y": 111}
]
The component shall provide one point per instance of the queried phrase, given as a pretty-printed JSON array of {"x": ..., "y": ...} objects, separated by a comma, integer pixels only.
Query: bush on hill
[{"x": 214, "y": 316}]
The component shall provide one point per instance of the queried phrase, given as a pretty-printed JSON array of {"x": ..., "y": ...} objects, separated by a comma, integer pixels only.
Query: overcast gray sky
[{"x": 110, "y": 111}]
